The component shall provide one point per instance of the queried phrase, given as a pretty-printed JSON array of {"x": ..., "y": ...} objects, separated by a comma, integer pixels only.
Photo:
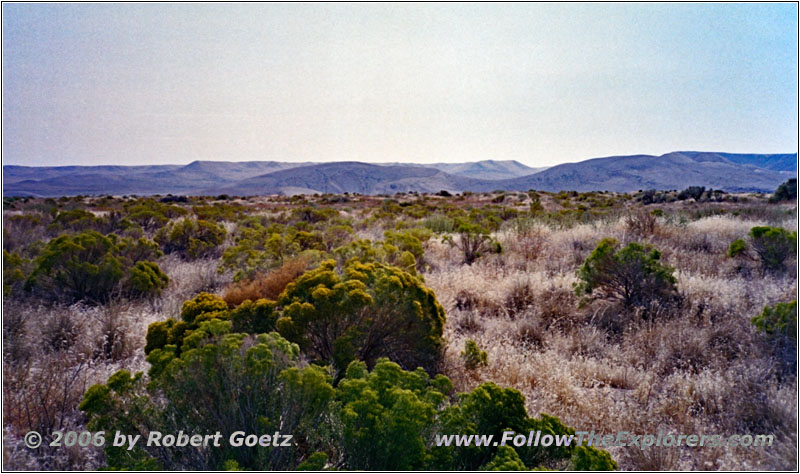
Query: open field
[{"x": 689, "y": 363}]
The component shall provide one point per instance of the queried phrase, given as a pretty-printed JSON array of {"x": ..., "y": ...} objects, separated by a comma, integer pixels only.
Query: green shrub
[
  {"x": 779, "y": 321},
  {"x": 774, "y": 245},
  {"x": 405, "y": 241},
  {"x": 147, "y": 279},
  {"x": 219, "y": 212},
  {"x": 737, "y": 248},
  {"x": 259, "y": 249},
  {"x": 384, "y": 419},
  {"x": 473, "y": 241},
  {"x": 244, "y": 383},
  {"x": 505, "y": 459},
  {"x": 440, "y": 224},
  {"x": 202, "y": 304},
  {"x": 364, "y": 311},
  {"x": 586, "y": 458},
  {"x": 473, "y": 356},
  {"x": 387, "y": 412},
  {"x": 367, "y": 251},
  {"x": 92, "y": 267},
  {"x": 151, "y": 215},
  {"x": 75, "y": 220},
  {"x": 191, "y": 239},
  {"x": 632, "y": 275},
  {"x": 315, "y": 462},
  {"x": 14, "y": 271},
  {"x": 785, "y": 192}
]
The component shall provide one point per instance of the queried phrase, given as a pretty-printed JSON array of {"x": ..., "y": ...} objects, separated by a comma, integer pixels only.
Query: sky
[{"x": 104, "y": 83}]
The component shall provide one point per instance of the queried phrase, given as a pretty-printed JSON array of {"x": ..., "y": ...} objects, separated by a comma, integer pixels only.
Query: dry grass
[{"x": 696, "y": 368}]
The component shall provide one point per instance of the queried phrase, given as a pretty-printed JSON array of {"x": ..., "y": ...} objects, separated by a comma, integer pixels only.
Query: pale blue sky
[{"x": 538, "y": 83}]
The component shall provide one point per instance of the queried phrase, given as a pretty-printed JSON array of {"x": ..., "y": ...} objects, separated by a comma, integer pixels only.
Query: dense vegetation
[{"x": 367, "y": 325}]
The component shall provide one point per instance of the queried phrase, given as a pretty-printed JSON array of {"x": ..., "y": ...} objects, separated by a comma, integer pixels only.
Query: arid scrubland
[
  {"x": 699, "y": 367},
  {"x": 504, "y": 267}
]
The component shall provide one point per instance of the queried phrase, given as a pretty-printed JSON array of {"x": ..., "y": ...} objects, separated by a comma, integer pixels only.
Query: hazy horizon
[
  {"x": 316, "y": 162},
  {"x": 542, "y": 84}
]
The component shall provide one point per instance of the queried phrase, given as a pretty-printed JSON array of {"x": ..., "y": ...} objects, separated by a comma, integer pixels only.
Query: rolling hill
[
  {"x": 677, "y": 170},
  {"x": 670, "y": 171}
]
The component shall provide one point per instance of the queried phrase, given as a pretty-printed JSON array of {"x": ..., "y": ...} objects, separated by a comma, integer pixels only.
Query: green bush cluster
[
  {"x": 360, "y": 311},
  {"x": 384, "y": 419},
  {"x": 191, "y": 239},
  {"x": 151, "y": 215},
  {"x": 93, "y": 267},
  {"x": 737, "y": 247},
  {"x": 263, "y": 246}
]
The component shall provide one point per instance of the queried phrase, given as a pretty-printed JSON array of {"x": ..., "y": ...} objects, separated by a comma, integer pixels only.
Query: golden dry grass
[{"x": 699, "y": 368}]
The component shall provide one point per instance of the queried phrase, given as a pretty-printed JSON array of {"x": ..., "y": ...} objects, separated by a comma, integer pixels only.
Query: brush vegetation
[{"x": 367, "y": 325}]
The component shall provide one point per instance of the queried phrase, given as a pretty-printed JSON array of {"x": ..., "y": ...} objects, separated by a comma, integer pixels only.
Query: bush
[
  {"x": 693, "y": 192},
  {"x": 774, "y": 245},
  {"x": 75, "y": 220},
  {"x": 14, "y": 270},
  {"x": 259, "y": 249},
  {"x": 268, "y": 285},
  {"x": 779, "y": 321},
  {"x": 785, "y": 192},
  {"x": 737, "y": 248},
  {"x": 244, "y": 383},
  {"x": 387, "y": 412},
  {"x": 92, "y": 267},
  {"x": 191, "y": 239},
  {"x": 151, "y": 215},
  {"x": 779, "y": 325},
  {"x": 366, "y": 251},
  {"x": 632, "y": 275},
  {"x": 473, "y": 356},
  {"x": 203, "y": 308},
  {"x": 386, "y": 419},
  {"x": 147, "y": 279},
  {"x": 365, "y": 311},
  {"x": 473, "y": 241},
  {"x": 505, "y": 459}
]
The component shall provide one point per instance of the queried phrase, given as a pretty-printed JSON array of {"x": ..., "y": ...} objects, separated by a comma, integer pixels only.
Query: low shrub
[
  {"x": 632, "y": 275},
  {"x": 779, "y": 321},
  {"x": 363, "y": 311},
  {"x": 473, "y": 356},
  {"x": 384, "y": 419},
  {"x": 774, "y": 246},
  {"x": 191, "y": 239},
  {"x": 473, "y": 241},
  {"x": 785, "y": 192},
  {"x": 267, "y": 285},
  {"x": 92, "y": 267}
]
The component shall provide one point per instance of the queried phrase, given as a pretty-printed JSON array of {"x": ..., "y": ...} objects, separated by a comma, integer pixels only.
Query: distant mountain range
[{"x": 677, "y": 170}]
